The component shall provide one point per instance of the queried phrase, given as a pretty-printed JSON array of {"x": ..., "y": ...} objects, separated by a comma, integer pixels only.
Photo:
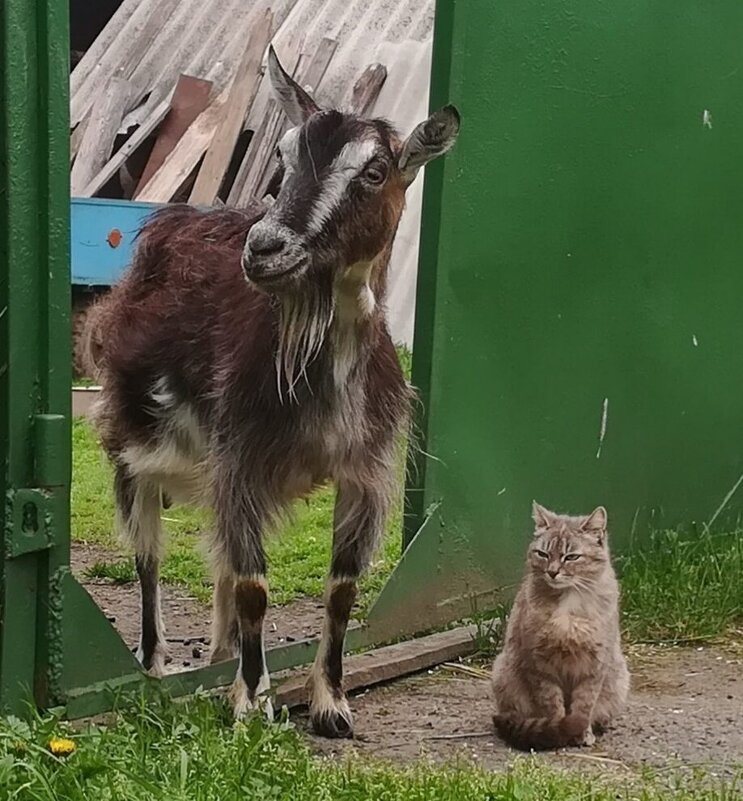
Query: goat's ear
[
  {"x": 295, "y": 102},
  {"x": 429, "y": 140}
]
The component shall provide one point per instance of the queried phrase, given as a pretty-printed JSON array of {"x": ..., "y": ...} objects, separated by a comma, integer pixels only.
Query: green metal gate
[
  {"x": 576, "y": 336},
  {"x": 581, "y": 274}
]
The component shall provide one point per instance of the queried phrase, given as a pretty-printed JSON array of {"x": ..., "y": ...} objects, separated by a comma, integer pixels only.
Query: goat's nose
[{"x": 265, "y": 241}]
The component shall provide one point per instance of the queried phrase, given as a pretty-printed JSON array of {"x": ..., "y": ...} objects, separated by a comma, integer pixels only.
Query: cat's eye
[
  {"x": 542, "y": 554},
  {"x": 571, "y": 557}
]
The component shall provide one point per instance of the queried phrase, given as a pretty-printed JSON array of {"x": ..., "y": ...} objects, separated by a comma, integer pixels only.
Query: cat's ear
[
  {"x": 542, "y": 517},
  {"x": 595, "y": 523}
]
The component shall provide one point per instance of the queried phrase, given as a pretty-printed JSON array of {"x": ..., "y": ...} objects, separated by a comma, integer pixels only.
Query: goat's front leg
[
  {"x": 241, "y": 568},
  {"x": 358, "y": 524}
]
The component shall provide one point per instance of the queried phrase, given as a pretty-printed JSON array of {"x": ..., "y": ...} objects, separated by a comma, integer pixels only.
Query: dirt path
[
  {"x": 187, "y": 621},
  {"x": 686, "y": 706}
]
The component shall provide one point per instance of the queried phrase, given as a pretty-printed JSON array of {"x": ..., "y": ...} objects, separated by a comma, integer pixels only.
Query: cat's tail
[{"x": 540, "y": 734}]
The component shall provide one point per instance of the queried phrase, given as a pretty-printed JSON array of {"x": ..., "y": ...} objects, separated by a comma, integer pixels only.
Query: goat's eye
[
  {"x": 571, "y": 557},
  {"x": 541, "y": 554},
  {"x": 277, "y": 153},
  {"x": 375, "y": 174}
]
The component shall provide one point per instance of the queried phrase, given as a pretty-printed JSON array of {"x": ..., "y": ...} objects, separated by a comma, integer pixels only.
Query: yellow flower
[{"x": 59, "y": 746}]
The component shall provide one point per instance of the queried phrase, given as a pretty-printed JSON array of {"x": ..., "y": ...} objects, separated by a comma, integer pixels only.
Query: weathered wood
[
  {"x": 367, "y": 88},
  {"x": 241, "y": 95},
  {"x": 76, "y": 138},
  {"x": 102, "y": 44},
  {"x": 391, "y": 662},
  {"x": 318, "y": 65},
  {"x": 259, "y": 151},
  {"x": 271, "y": 119},
  {"x": 309, "y": 78},
  {"x": 117, "y": 61},
  {"x": 100, "y": 133},
  {"x": 123, "y": 153},
  {"x": 190, "y": 98},
  {"x": 181, "y": 161}
]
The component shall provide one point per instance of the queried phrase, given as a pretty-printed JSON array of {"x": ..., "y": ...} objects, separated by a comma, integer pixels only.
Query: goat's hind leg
[
  {"x": 358, "y": 524},
  {"x": 138, "y": 520}
]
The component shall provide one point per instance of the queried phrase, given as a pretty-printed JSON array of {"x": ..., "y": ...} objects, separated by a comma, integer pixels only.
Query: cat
[{"x": 561, "y": 676}]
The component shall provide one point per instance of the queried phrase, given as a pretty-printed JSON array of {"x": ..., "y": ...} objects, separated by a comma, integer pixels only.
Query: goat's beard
[{"x": 304, "y": 320}]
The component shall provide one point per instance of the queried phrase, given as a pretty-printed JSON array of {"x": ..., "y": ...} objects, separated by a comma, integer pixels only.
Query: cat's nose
[{"x": 553, "y": 573}]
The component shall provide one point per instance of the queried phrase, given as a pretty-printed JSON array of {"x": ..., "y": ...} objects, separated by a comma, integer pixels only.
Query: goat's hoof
[
  {"x": 154, "y": 665},
  {"x": 243, "y": 705},
  {"x": 333, "y": 723}
]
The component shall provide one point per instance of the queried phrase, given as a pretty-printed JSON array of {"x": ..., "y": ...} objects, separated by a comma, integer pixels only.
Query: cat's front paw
[{"x": 576, "y": 730}]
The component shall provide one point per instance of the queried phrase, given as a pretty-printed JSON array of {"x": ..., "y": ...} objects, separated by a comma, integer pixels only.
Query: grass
[
  {"x": 190, "y": 752},
  {"x": 683, "y": 590}
]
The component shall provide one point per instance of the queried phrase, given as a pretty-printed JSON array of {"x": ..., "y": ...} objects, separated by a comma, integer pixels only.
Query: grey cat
[{"x": 561, "y": 676}]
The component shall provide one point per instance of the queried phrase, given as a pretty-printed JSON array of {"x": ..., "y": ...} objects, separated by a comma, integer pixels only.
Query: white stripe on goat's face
[{"x": 346, "y": 166}]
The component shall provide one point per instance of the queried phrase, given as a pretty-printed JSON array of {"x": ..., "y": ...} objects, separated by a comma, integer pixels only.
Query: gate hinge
[
  {"x": 29, "y": 521},
  {"x": 30, "y": 511}
]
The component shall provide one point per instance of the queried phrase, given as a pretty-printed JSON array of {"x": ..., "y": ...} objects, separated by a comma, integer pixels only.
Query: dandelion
[{"x": 60, "y": 746}]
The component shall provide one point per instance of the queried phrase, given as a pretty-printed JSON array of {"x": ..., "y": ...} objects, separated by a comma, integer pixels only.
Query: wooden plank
[
  {"x": 271, "y": 119},
  {"x": 367, "y": 88},
  {"x": 123, "y": 153},
  {"x": 311, "y": 78},
  {"x": 190, "y": 98},
  {"x": 383, "y": 664},
  {"x": 128, "y": 45},
  {"x": 103, "y": 42},
  {"x": 76, "y": 138},
  {"x": 181, "y": 161},
  {"x": 240, "y": 98},
  {"x": 100, "y": 133}
]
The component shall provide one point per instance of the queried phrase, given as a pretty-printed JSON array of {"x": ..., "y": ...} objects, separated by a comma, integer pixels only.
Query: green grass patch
[
  {"x": 191, "y": 751},
  {"x": 683, "y": 590}
]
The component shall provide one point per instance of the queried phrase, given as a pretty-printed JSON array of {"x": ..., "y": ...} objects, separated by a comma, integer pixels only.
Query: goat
[{"x": 245, "y": 360}]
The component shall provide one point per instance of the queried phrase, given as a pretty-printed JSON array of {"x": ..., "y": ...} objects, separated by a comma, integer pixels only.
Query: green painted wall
[{"x": 583, "y": 242}]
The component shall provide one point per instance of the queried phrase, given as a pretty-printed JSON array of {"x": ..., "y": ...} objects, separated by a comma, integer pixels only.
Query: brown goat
[{"x": 245, "y": 360}]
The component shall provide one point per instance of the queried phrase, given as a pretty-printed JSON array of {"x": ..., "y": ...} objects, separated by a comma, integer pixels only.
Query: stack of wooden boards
[{"x": 155, "y": 119}]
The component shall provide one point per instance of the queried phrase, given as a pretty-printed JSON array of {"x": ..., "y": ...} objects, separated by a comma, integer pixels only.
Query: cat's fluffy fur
[{"x": 561, "y": 676}]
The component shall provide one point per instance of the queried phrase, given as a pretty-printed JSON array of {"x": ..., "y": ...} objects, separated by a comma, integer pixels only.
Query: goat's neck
[
  {"x": 334, "y": 322},
  {"x": 356, "y": 295}
]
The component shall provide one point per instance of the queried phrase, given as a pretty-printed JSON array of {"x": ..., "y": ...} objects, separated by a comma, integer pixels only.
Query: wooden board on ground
[
  {"x": 240, "y": 98},
  {"x": 100, "y": 132},
  {"x": 123, "y": 153},
  {"x": 190, "y": 98},
  {"x": 367, "y": 88},
  {"x": 390, "y": 662}
]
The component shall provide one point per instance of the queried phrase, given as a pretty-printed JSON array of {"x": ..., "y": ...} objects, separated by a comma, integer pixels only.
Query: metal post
[{"x": 34, "y": 336}]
